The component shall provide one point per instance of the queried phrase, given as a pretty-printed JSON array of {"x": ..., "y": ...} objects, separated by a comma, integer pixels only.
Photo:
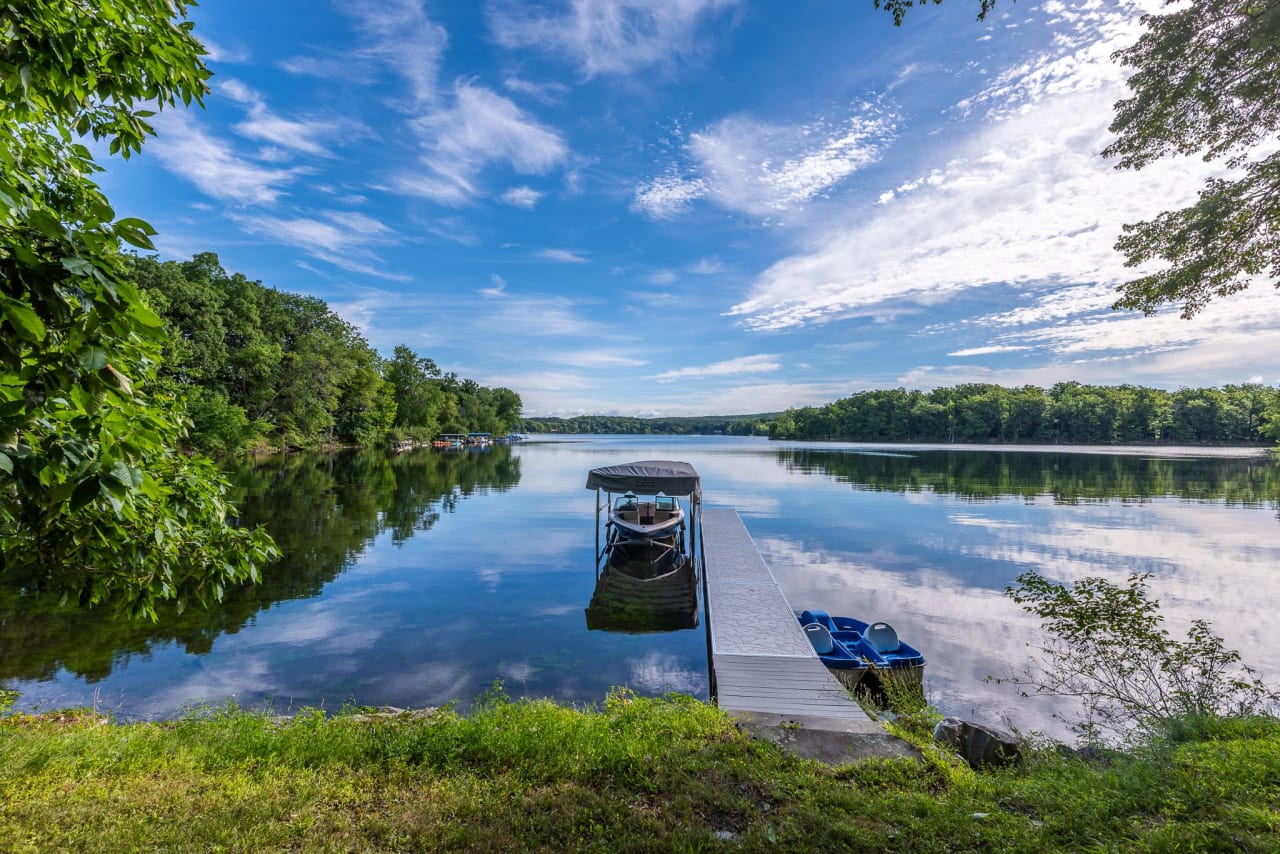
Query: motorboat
[
  {"x": 646, "y": 521},
  {"x": 853, "y": 649},
  {"x": 648, "y": 518}
]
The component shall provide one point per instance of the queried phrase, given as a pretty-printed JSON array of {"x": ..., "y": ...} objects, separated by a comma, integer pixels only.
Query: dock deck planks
[{"x": 760, "y": 659}]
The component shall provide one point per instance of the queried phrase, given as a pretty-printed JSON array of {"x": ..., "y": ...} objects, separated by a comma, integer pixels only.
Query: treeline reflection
[
  {"x": 1069, "y": 478},
  {"x": 322, "y": 510}
]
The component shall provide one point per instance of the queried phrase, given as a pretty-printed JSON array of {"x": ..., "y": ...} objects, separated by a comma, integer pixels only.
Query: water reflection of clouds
[
  {"x": 659, "y": 673},
  {"x": 1207, "y": 561},
  {"x": 967, "y": 634}
]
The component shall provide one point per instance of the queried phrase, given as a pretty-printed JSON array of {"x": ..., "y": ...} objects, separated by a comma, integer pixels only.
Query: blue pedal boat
[{"x": 852, "y": 649}]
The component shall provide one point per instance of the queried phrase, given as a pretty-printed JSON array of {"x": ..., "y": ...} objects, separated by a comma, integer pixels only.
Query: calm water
[{"x": 417, "y": 579}]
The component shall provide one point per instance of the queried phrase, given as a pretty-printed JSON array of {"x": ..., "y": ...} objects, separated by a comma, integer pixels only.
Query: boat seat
[
  {"x": 882, "y": 637},
  {"x": 819, "y": 638},
  {"x": 818, "y": 617}
]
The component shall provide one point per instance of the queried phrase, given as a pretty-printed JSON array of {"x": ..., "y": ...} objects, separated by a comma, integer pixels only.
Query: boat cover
[{"x": 648, "y": 477}]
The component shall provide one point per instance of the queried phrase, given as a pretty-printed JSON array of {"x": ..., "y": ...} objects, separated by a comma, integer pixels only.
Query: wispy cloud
[
  {"x": 758, "y": 364},
  {"x": 758, "y": 168},
  {"x": 498, "y": 288},
  {"x": 522, "y": 197},
  {"x": 988, "y": 350},
  {"x": 266, "y": 126},
  {"x": 399, "y": 34},
  {"x": 342, "y": 238},
  {"x": 608, "y": 36},
  {"x": 481, "y": 127},
  {"x": 707, "y": 267},
  {"x": 548, "y": 93},
  {"x": 542, "y": 317},
  {"x": 668, "y": 195},
  {"x": 211, "y": 164},
  {"x": 594, "y": 358},
  {"x": 562, "y": 256}
]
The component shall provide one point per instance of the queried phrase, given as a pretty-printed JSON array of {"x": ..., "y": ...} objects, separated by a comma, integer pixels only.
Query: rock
[{"x": 981, "y": 746}]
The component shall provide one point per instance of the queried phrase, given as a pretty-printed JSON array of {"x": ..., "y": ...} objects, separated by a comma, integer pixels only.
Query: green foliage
[
  {"x": 1205, "y": 82},
  {"x": 257, "y": 364},
  {"x": 1107, "y": 646},
  {"x": 1069, "y": 412},
  {"x": 94, "y": 502},
  {"x": 734, "y": 425}
]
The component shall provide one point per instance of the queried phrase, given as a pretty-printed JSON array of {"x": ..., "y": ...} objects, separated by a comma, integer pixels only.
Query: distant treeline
[
  {"x": 733, "y": 425},
  {"x": 1070, "y": 412},
  {"x": 258, "y": 366}
]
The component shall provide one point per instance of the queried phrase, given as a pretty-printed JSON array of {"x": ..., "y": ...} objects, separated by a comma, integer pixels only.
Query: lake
[{"x": 420, "y": 578}]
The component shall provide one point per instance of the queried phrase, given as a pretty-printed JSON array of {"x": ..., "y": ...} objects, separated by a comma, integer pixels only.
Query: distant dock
[{"x": 762, "y": 665}]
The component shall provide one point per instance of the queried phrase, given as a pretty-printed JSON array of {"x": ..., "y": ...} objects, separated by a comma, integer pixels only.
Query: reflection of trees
[
  {"x": 1069, "y": 478},
  {"x": 323, "y": 512}
]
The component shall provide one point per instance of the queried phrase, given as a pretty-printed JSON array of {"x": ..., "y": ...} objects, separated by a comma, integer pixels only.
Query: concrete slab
[{"x": 834, "y": 741}]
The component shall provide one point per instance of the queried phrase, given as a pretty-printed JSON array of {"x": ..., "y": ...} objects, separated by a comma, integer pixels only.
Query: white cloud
[
  {"x": 757, "y": 168},
  {"x": 986, "y": 351},
  {"x": 667, "y": 195},
  {"x": 758, "y": 364},
  {"x": 401, "y": 36},
  {"x": 216, "y": 52},
  {"x": 522, "y": 197},
  {"x": 547, "y": 93},
  {"x": 188, "y": 151},
  {"x": 1025, "y": 200},
  {"x": 481, "y": 127},
  {"x": 593, "y": 358},
  {"x": 708, "y": 267},
  {"x": 543, "y": 316},
  {"x": 562, "y": 256},
  {"x": 265, "y": 126},
  {"x": 342, "y": 238},
  {"x": 608, "y": 36},
  {"x": 662, "y": 277},
  {"x": 497, "y": 290}
]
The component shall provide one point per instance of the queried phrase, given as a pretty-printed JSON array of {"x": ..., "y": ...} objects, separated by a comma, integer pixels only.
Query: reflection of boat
[
  {"x": 853, "y": 649},
  {"x": 643, "y": 599}
]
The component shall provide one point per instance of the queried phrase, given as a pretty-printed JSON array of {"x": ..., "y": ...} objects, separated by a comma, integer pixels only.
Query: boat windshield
[{"x": 661, "y": 502}]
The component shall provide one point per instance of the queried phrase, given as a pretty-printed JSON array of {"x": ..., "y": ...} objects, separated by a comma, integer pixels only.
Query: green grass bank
[{"x": 638, "y": 774}]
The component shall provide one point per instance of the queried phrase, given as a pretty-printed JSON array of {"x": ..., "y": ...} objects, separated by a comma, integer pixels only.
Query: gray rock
[{"x": 980, "y": 746}]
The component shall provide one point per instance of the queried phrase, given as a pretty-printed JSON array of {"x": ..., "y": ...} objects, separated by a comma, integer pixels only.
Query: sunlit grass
[{"x": 639, "y": 774}]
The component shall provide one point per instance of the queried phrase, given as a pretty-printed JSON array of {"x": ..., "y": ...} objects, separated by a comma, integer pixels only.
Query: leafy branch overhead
[
  {"x": 1205, "y": 82},
  {"x": 95, "y": 501}
]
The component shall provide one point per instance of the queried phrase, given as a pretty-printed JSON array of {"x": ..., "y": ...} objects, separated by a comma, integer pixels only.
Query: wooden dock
[{"x": 762, "y": 665}]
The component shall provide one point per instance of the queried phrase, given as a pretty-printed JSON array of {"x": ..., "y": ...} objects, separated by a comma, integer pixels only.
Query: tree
[
  {"x": 94, "y": 500},
  {"x": 1106, "y": 645},
  {"x": 1205, "y": 82}
]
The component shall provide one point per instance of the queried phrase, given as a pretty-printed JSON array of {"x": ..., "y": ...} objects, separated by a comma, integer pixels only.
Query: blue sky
[{"x": 693, "y": 206}]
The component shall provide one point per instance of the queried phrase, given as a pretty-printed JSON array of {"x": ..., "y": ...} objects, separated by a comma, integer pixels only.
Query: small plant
[
  {"x": 7, "y": 699},
  {"x": 1107, "y": 646}
]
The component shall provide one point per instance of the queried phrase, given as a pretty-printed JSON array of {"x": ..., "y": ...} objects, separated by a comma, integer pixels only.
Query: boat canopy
[{"x": 648, "y": 477}]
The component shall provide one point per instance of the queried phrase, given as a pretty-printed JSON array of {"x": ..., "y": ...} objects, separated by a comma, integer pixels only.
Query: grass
[{"x": 639, "y": 774}]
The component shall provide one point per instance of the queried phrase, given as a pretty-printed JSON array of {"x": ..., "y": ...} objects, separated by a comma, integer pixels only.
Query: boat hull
[{"x": 855, "y": 660}]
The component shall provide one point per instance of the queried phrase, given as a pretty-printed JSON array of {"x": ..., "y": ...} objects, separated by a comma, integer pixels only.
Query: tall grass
[{"x": 637, "y": 774}]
